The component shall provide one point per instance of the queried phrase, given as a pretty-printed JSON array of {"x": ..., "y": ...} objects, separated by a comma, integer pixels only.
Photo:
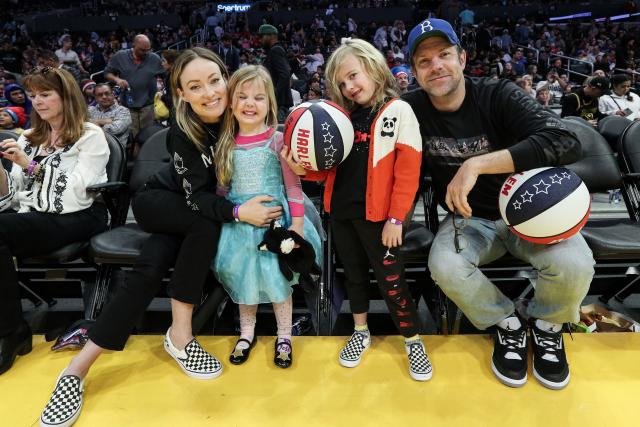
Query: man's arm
[{"x": 120, "y": 123}]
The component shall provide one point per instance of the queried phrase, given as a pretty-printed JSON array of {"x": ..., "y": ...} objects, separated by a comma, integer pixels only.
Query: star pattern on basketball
[
  {"x": 328, "y": 137},
  {"x": 329, "y": 162},
  {"x": 325, "y": 126},
  {"x": 524, "y": 197},
  {"x": 517, "y": 205},
  {"x": 566, "y": 175},
  {"x": 556, "y": 179},
  {"x": 542, "y": 187},
  {"x": 330, "y": 151}
]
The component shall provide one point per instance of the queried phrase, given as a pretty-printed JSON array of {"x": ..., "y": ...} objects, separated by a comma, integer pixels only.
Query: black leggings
[
  {"x": 359, "y": 245},
  {"x": 37, "y": 233},
  {"x": 181, "y": 238}
]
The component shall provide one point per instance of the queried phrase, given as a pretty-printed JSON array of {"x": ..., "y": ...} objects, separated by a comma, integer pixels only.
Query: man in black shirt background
[
  {"x": 475, "y": 132},
  {"x": 278, "y": 65},
  {"x": 583, "y": 102}
]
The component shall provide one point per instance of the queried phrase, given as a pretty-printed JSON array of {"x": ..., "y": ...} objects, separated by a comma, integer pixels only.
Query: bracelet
[
  {"x": 236, "y": 215},
  {"x": 31, "y": 167},
  {"x": 394, "y": 221}
]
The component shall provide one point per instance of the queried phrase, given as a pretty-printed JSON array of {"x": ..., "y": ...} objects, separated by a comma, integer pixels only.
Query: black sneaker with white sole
[
  {"x": 351, "y": 354},
  {"x": 63, "y": 408},
  {"x": 509, "y": 359},
  {"x": 550, "y": 365}
]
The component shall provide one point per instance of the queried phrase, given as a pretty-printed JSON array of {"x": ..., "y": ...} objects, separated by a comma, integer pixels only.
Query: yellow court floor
[{"x": 142, "y": 386}]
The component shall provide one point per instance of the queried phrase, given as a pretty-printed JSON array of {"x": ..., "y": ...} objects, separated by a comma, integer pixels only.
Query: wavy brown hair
[
  {"x": 374, "y": 65},
  {"x": 188, "y": 121},
  {"x": 74, "y": 108}
]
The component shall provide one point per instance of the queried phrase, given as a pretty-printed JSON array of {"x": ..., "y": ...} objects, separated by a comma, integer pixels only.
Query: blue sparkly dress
[{"x": 249, "y": 275}]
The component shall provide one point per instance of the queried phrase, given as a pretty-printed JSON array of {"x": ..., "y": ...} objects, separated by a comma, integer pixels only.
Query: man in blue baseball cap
[{"x": 475, "y": 132}]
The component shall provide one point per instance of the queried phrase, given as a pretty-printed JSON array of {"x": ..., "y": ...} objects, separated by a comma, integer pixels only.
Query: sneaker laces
[
  {"x": 549, "y": 344},
  {"x": 513, "y": 340}
]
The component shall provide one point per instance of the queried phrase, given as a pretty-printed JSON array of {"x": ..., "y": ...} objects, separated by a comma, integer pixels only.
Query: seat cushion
[
  {"x": 417, "y": 243},
  {"x": 66, "y": 253},
  {"x": 613, "y": 238},
  {"x": 122, "y": 245}
]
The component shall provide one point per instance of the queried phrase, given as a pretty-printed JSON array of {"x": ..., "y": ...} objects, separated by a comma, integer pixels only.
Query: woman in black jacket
[{"x": 181, "y": 209}]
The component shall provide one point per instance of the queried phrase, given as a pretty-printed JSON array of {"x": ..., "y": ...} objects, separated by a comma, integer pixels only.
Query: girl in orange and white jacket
[{"x": 370, "y": 194}]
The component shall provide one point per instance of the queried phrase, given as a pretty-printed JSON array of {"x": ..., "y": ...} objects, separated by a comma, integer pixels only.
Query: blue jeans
[{"x": 565, "y": 271}]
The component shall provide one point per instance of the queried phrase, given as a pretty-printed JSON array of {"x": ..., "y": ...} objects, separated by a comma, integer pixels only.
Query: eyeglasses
[
  {"x": 459, "y": 240},
  {"x": 41, "y": 70}
]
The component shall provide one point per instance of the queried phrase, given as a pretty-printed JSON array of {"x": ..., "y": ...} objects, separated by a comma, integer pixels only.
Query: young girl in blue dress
[{"x": 247, "y": 164}]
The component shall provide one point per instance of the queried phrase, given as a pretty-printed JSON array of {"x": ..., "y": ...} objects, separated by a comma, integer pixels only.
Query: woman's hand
[
  {"x": 392, "y": 235},
  {"x": 255, "y": 213},
  {"x": 12, "y": 151},
  {"x": 295, "y": 167}
]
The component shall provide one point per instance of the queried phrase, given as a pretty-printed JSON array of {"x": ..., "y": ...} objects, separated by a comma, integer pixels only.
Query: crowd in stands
[{"x": 533, "y": 54}]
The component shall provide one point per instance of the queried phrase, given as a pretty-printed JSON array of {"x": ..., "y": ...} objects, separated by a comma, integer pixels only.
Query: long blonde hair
[
  {"x": 374, "y": 65},
  {"x": 74, "y": 109},
  {"x": 188, "y": 121},
  {"x": 224, "y": 149}
]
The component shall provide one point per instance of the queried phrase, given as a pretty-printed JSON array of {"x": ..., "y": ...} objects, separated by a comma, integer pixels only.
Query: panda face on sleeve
[{"x": 388, "y": 126}]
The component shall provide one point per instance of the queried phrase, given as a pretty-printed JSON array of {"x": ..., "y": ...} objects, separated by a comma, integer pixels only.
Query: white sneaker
[
  {"x": 195, "y": 361},
  {"x": 420, "y": 367},
  {"x": 351, "y": 354}
]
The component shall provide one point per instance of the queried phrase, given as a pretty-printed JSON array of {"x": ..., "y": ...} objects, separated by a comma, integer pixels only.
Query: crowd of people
[{"x": 232, "y": 176}]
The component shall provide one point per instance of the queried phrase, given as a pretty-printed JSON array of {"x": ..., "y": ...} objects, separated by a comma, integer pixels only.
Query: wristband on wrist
[
  {"x": 236, "y": 215},
  {"x": 394, "y": 221}
]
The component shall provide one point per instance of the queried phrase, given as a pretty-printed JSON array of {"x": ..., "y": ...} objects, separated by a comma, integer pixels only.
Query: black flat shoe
[
  {"x": 284, "y": 353},
  {"x": 240, "y": 355},
  {"x": 17, "y": 343}
]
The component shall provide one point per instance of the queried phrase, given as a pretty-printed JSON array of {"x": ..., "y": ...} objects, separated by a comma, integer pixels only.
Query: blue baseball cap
[{"x": 431, "y": 27}]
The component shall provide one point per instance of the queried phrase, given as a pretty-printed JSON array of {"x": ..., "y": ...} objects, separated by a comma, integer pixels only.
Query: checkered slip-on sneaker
[
  {"x": 351, "y": 354},
  {"x": 194, "y": 360},
  {"x": 419, "y": 365},
  {"x": 65, "y": 403}
]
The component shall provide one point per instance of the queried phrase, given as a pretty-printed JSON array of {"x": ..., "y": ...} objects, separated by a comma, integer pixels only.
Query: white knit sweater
[{"x": 67, "y": 172}]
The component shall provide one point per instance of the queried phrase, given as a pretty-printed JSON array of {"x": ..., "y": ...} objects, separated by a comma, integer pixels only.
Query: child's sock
[
  {"x": 543, "y": 325},
  {"x": 284, "y": 313},
  {"x": 247, "y": 324},
  {"x": 363, "y": 329},
  {"x": 411, "y": 340}
]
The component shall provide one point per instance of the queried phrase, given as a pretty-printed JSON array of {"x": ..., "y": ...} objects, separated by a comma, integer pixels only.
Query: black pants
[
  {"x": 37, "y": 233},
  {"x": 359, "y": 245},
  {"x": 181, "y": 238}
]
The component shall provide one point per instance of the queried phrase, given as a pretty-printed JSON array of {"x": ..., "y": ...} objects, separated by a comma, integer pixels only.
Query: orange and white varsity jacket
[{"x": 394, "y": 164}]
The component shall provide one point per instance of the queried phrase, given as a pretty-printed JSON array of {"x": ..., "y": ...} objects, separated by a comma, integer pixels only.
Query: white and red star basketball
[
  {"x": 319, "y": 133},
  {"x": 545, "y": 205}
]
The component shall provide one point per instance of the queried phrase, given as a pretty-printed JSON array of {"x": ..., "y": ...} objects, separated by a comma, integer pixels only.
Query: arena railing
[
  {"x": 570, "y": 61},
  {"x": 635, "y": 76}
]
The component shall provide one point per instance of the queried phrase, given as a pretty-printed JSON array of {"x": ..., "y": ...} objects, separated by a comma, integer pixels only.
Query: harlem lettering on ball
[{"x": 302, "y": 147}]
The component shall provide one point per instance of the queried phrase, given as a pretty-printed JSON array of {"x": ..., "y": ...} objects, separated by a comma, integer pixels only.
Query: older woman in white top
[
  {"x": 44, "y": 204},
  {"x": 621, "y": 101}
]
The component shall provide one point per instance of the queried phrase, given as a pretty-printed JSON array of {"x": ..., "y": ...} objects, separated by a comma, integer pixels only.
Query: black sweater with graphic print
[
  {"x": 495, "y": 115},
  {"x": 192, "y": 173}
]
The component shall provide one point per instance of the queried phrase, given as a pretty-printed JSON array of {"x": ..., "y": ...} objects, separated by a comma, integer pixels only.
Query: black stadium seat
[
  {"x": 611, "y": 128},
  {"x": 121, "y": 246}
]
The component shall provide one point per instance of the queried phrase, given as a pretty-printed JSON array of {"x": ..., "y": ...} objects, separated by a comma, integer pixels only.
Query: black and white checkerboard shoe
[
  {"x": 194, "y": 360},
  {"x": 419, "y": 365},
  {"x": 351, "y": 354},
  {"x": 65, "y": 404}
]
